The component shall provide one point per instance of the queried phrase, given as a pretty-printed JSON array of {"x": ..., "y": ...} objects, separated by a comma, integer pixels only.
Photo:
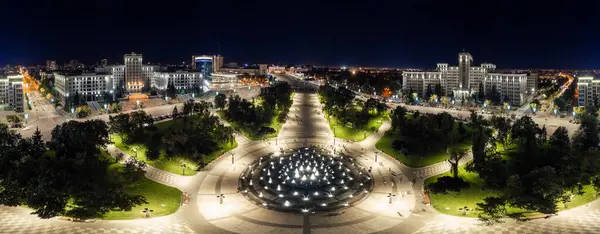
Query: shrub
[
  {"x": 447, "y": 183},
  {"x": 398, "y": 145}
]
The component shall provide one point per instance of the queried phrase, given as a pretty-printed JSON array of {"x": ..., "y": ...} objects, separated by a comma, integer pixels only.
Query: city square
[{"x": 325, "y": 117}]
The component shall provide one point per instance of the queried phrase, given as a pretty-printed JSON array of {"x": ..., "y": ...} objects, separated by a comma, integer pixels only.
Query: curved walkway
[{"x": 306, "y": 127}]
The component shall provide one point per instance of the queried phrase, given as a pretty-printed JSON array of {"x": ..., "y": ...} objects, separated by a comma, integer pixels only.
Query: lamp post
[
  {"x": 334, "y": 137},
  {"x": 183, "y": 168},
  {"x": 391, "y": 196},
  {"x": 147, "y": 212},
  {"x": 26, "y": 116},
  {"x": 221, "y": 197},
  {"x": 376, "y": 152},
  {"x": 135, "y": 149},
  {"x": 232, "y": 158}
]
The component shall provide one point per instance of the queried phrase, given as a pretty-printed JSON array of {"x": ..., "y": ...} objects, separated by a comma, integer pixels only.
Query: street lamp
[
  {"x": 135, "y": 149},
  {"x": 26, "y": 116},
  {"x": 147, "y": 211},
  {"x": 183, "y": 168},
  {"x": 232, "y": 158},
  {"x": 391, "y": 196},
  {"x": 220, "y": 197},
  {"x": 376, "y": 152}
]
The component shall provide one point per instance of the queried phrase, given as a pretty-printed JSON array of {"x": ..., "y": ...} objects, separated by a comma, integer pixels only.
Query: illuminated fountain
[{"x": 305, "y": 180}]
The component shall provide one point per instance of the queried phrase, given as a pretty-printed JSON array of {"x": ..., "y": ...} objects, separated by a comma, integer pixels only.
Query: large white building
[
  {"x": 11, "y": 92},
  {"x": 134, "y": 77},
  {"x": 588, "y": 88},
  {"x": 89, "y": 86},
  {"x": 182, "y": 80},
  {"x": 464, "y": 80}
]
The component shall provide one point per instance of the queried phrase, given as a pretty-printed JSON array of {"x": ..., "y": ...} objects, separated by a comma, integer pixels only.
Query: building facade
[
  {"x": 89, "y": 86},
  {"x": 589, "y": 88},
  {"x": 204, "y": 65},
  {"x": 134, "y": 78},
  {"x": 11, "y": 92},
  {"x": 464, "y": 80},
  {"x": 183, "y": 80}
]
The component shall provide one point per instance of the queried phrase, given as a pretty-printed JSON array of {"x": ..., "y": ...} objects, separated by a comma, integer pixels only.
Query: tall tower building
[
  {"x": 134, "y": 80},
  {"x": 204, "y": 64},
  {"x": 464, "y": 66},
  {"x": 218, "y": 63}
]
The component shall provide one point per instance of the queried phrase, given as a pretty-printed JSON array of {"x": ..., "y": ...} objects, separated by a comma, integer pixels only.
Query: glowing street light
[
  {"x": 221, "y": 197},
  {"x": 391, "y": 196}
]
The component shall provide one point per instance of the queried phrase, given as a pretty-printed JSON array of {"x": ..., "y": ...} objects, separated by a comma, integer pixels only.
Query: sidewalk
[{"x": 155, "y": 174}]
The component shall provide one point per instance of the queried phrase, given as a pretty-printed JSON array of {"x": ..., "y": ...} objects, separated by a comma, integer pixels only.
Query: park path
[{"x": 153, "y": 173}]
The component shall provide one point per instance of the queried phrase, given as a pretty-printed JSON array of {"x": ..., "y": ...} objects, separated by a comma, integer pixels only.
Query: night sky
[{"x": 395, "y": 33}]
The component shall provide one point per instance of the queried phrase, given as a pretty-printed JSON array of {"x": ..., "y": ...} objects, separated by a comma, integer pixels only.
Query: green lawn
[
  {"x": 385, "y": 144},
  {"x": 156, "y": 195},
  {"x": 251, "y": 133},
  {"x": 355, "y": 134},
  {"x": 173, "y": 164},
  {"x": 450, "y": 202}
]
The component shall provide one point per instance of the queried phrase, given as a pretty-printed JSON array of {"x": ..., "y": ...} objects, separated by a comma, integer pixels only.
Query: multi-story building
[
  {"x": 89, "y": 86},
  {"x": 532, "y": 79},
  {"x": 11, "y": 92},
  {"x": 51, "y": 65},
  {"x": 207, "y": 64},
  {"x": 464, "y": 80},
  {"x": 134, "y": 78},
  {"x": 223, "y": 81},
  {"x": 182, "y": 80},
  {"x": 218, "y": 63},
  {"x": 588, "y": 89}
]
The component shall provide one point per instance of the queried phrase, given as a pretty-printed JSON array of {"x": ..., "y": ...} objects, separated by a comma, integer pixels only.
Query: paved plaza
[{"x": 305, "y": 127}]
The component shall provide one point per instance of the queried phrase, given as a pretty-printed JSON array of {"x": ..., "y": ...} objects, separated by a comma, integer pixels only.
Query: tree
[
  {"x": 220, "y": 101},
  {"x": 115, "y": 107},
  {"x": 492, "y": 210},
  {"x": 153, "y": 146},
  {"x": 481, "y": 92},
  {"x": 455, "y": 156},
  {"x": 175, "y": 112},
  {"x": 133, "y": 171},
  {"x": 120, "y": 125},
  {"x": 428, "y": 92},
  {"x": 438, "y": 90},
  {"x": 73, "y": 182},
  {"x": 171, "y": 90},
  {"x": 586, "y": 137},
  {"x": 139, "y": 121},
  {"x": 538, "y": 190},
  {"x": 83, "y": 111},
  {"x": 502, "y": 126},
  {"x": 398, "y": 117},
  {"x": 560, "y": 103}
]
